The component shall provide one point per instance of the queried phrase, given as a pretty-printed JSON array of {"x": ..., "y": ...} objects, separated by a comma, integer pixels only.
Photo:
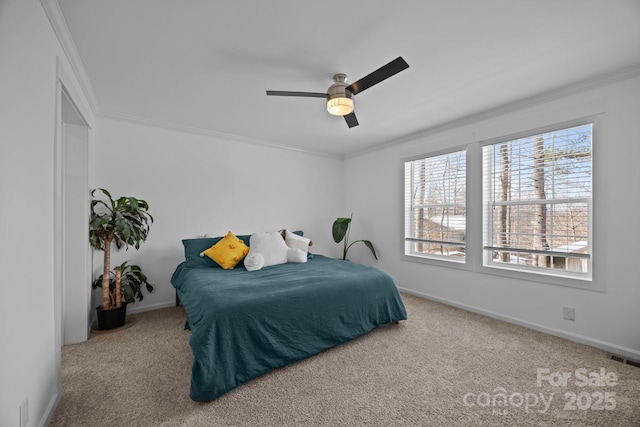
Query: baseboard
[
  {"x": 602, "y": 345},
  {"x": 132, "y": 309},
  {"x": 51, "y": 409}
]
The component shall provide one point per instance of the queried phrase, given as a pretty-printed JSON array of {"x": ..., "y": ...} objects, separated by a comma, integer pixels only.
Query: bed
[{"x": 247, "y": 323}]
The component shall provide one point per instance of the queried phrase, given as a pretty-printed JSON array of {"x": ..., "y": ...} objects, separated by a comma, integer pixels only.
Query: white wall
[
  {"x": 29, "y": 356},
  {"x": 607, "y": 319},
  {"x": 197, "y": 184}
]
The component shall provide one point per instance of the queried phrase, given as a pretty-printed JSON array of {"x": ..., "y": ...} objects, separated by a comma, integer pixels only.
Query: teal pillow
[{"x": 193, "y": 248}]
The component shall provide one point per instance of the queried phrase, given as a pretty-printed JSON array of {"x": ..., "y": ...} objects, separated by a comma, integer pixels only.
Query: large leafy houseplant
[
  {"x": 125, "y": 222},
  {"x": 340, "y": 231}
]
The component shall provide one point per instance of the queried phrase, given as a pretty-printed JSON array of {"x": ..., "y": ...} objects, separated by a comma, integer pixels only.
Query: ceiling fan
[{"x": 339, "y": 96}]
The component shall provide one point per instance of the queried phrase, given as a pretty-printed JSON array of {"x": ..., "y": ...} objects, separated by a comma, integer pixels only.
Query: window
[
  {"x": 435, "y": 206},
  {"x": 537, "y": 203}
]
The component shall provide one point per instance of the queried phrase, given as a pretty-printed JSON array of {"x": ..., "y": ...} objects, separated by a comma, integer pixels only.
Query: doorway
[{"x": 74, "y": 174}]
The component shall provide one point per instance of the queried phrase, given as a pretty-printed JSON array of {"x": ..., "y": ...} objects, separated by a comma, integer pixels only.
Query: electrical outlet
[
  {"x": 24, "y": 412},
  {"x": 568, "y": 313}
]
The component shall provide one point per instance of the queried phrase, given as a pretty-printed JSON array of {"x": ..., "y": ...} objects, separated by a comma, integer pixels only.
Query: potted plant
[
  {"x": 125, "y": 222},
  {"x": 131, "y": 282},
  {"x": 340, "y": 231}
]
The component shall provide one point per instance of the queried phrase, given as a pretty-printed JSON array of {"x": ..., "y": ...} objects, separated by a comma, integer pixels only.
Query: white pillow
[
  {"x": 294, "y": 255},
  {"x": 271, "y": 245},
  {"x": 294, "y": 241},
  {"x": 253, "y": 261}
]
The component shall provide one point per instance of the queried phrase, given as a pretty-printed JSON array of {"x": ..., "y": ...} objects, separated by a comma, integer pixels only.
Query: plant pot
[{"x": 111, "y": 318}]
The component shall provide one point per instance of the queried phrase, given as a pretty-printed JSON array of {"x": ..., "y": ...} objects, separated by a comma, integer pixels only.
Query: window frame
[
  {"x": 439, "y": 260},
  {"x": 556, "y": 277}
]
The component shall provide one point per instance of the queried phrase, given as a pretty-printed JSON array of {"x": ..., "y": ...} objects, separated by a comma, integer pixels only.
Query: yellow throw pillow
[{"x": 228, "y": 252}]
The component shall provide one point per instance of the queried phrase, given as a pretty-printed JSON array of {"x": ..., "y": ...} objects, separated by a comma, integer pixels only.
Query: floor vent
[
  {"x": 633, "y": 363},
  {"x": 623, "y": 359}
]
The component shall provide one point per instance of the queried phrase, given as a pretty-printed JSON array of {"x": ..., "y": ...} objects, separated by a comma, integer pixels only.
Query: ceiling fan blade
[
  {"x": 382, "y": 73},
  {"x": 305, "y": 94},
  {"x": 351, "y": 119}
]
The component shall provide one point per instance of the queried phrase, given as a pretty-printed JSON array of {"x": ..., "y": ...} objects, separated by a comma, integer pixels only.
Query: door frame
[{"x": 66, "y": 87}]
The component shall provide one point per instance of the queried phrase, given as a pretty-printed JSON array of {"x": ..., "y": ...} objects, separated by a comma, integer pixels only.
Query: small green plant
[
  {"x": 340, "y": 231},
  {"x": 132, "y": 279}
]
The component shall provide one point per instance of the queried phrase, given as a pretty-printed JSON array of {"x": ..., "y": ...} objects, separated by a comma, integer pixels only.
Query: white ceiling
[{"x": 206, "y": 64}]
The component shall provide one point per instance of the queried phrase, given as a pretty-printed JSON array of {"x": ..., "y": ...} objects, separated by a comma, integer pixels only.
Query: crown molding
[
  {"x": 61, "y": 29},
  {"x": 208, "y": 133},
  {"x": 550, "y": 95}
]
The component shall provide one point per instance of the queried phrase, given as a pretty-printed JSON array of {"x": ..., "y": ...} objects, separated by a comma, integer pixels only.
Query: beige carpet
[{"x": 442, "y": 367}]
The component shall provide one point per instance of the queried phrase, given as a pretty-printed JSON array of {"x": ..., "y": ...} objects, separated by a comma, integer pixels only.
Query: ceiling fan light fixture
[
  {"x": 340, "y": 106},
  {"x": 339, "y": 99}
]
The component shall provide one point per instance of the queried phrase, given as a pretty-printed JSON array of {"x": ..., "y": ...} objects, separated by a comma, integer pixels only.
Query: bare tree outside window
[
  {"x": 505, "y": 195},
  {"x": 540, "y": 209}
]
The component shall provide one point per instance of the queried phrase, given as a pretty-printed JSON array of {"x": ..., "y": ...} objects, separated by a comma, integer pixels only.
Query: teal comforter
[{"x": 244, "y": 324}]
